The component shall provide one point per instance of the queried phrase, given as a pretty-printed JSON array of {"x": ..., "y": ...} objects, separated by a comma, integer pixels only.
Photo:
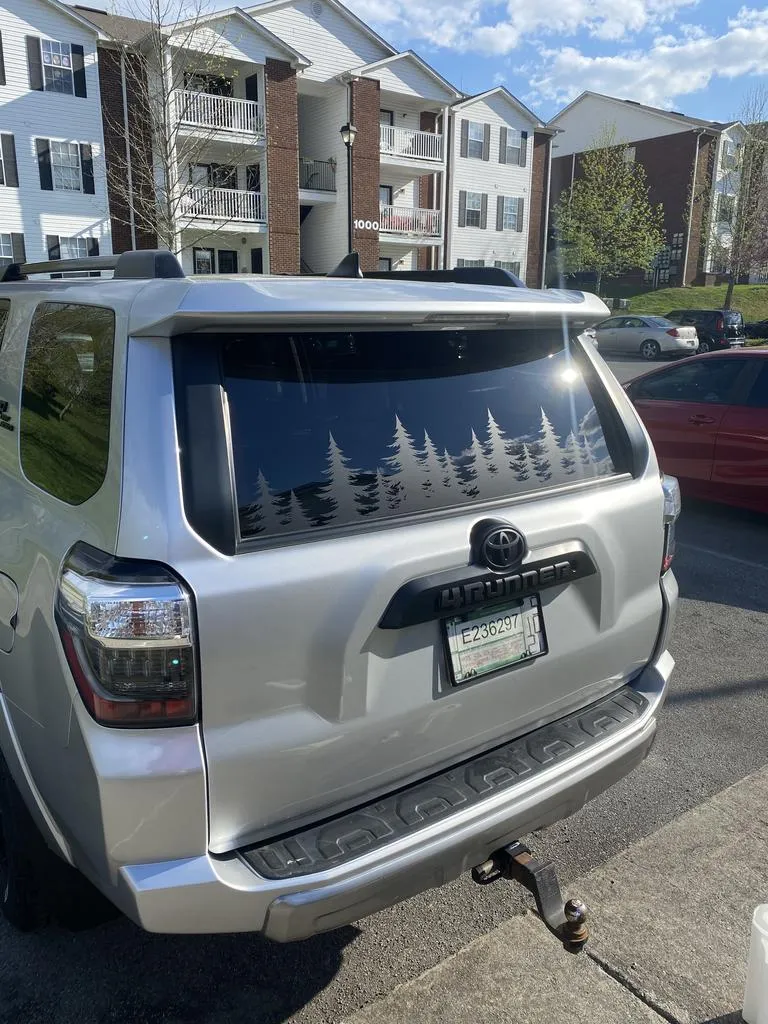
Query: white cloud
[
  {"x": 476, "y": 25},
  {"x": 672, "y": 67}
]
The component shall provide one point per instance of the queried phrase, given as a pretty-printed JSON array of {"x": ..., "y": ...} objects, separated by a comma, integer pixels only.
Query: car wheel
[
  {"x": 705, "y": 345},
  {"x": 650, "y": 349},
  {"x": 21, "y": 900}
]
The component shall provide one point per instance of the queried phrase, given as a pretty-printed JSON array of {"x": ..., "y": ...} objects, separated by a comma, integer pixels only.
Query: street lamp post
[{"x": 348, "y": 134}]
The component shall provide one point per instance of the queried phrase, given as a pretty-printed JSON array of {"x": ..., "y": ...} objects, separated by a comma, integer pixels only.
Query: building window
[
  {"x": 730, "y": 158},
  {"x": 470, "y": 263},
  {"x": 514, "y": 142},
  {"x": 385, "y": 263},
  {"x": 66, "y": 399},
  {"x": 385, "y": 195},
  {"x": 73, "y": 248},
  {"x": 676, "y": 251},
  {"x": 204, "y": 261},
  {"x": 387, "y": 118},
  {"x": 6, "y": 247},
  {"x": 510, "y": 216},
  {"x": 65, "y": 167},
  {"x": 726, "y": 207},
  {"x": 227, "y": 261},
  {"x": 57, "y": 67},
  {"x": 474, "y": 209},
  {"x": 475, "y": 140},
  {"x": 513, "y": 266}
]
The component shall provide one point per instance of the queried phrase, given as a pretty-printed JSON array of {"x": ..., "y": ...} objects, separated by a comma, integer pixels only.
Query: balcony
[
  {"x": 398, "y": 144},
  {"x": 227, "y": 204},
  {"x": 206, "y": 112},
  {"x": 409, "y": 223},
  {"x": 317, "y": 175}
]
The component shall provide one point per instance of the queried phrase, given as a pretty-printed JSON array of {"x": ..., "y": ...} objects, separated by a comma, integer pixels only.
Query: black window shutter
[
  {"x": 9, "y": 161},
  {"x": 499, "y": 213},
  {"x": 503, "y": 146},
  {"x": 523, "y": 147},
  {"x": 2, "y": 61},
  {"x": 19, "y": 251},
  {"x": 252, "y": 88},
  {"x": 464, "y": 137},
  {"x": 519, "y": 225},
  {"x": 53, "y": 247},
  {"x": 44, "y": 164},
  {"x": 462, "y": 209},
  {"x": 86, "y": 168},
  {"x": 34, "y": 63},
  {"x": 484, "y": 212},
  {"x": 78, "y": 70},
  {"x": 486, "y": 142}
]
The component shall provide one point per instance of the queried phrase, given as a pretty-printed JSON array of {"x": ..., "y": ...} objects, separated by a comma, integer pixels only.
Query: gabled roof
[
  {"x": 408, "y": 55},
  {"x": 501, "y": 90},
  {"x": 273, "y": 5},
  {"x": 669, "y": 115},
  {"x": 256, "y": 26}
]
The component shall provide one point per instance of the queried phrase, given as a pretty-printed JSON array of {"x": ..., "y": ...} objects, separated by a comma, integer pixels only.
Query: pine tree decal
[
  {"x": 407, "y": 470},
  {"x": 297, "y": 517},
  {"x": 382, "y": 495},
  {"x": 525, "y": 468},
  {"x": 263, "y": 516},
  {"x": 340, "y": 492},
  {"x": 474, "y": 470},
  {"x": 450, "y": 479},
  {"x": 497, "y": 453},
  {"x": 571, "y": 459},
  {"x": 433, "y": 468},
  {"x": 549, "y": 448}
]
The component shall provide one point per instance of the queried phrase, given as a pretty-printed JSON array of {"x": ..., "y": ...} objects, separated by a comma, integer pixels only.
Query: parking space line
[{"x": 726, "y": 558}]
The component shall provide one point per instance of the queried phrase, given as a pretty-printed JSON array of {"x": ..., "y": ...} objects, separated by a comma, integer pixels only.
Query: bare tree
[
  {"x": 196, "y": 166},
  {"x": 738, "y": 235}
]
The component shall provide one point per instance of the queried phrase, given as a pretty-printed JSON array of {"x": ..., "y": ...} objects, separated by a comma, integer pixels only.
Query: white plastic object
[{"x": 756, "y": 993}]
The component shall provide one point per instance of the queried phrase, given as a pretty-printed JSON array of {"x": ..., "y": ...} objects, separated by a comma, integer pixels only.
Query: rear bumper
[{"x": 225, "y": 894}]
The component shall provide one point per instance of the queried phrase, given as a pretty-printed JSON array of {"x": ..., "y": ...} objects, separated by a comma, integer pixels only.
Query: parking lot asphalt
[{"x": 712, "y": 733}]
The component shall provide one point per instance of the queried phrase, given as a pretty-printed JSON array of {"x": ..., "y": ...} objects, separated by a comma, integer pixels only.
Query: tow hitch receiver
[{"x": 568, "y": 921}]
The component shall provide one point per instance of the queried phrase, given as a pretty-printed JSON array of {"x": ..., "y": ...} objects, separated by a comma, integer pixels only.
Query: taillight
[
  {"x": 672, "y": 507},
  {"x": 720, "y": 323},
  {"x": 129, "y": 637},
  {"x": 673, "y": 332}
]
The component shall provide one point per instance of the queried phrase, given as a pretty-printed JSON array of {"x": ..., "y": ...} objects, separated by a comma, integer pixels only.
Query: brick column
[
  {"x": 143, "y": 198},
  {"x": 366, "y": 176},
  {"x": 282, "y": 124},
  {"x": 702, "y": 198},
  {"x": 538, "y": 210}
]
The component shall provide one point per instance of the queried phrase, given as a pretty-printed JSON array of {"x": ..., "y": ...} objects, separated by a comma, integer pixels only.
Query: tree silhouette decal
[
  {"x": 407, "y": 470},
  {"x": 341, "y": 494}
]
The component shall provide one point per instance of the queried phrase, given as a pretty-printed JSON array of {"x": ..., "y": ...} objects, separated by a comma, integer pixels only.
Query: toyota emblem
[{"x": 502, "y": 548}]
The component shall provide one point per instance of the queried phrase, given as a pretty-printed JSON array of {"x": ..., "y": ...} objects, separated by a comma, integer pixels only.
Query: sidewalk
[{"x": 670, "y": 935}]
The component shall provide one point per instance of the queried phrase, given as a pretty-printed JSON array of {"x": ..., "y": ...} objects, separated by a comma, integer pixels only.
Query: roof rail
[
  {"x": 136, "y": 264},
  {"x": 459, "y": 275}
]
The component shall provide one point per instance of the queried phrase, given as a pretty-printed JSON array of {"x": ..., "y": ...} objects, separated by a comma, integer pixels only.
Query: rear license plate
[{"x": 487, "y": 641}]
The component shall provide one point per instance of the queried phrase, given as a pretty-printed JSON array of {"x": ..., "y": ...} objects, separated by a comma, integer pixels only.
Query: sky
[{"x": 697, "y": 56}]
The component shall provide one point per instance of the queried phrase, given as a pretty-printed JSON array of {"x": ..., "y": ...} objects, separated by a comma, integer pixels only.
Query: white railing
[
  {"x": 224, "y": 204},
  {"x": 409, "y": 220},
  {"x": 221, "y": 113},
  {"x": 319, "y": 175},
  {"x": 406, "y": 142}
]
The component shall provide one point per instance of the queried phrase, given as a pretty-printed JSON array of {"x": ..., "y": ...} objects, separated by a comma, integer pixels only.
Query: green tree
[{"x": 605, "y": 221}]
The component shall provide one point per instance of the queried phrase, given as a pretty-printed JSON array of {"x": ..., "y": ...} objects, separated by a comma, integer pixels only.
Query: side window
[
  {"x": 633, "y": 321},
  {"x": 5, "y": 307},
  {"x": 66, "y": 398},
  {"x": 709, "y": 381},
  {"x": 758, "y": 395}
]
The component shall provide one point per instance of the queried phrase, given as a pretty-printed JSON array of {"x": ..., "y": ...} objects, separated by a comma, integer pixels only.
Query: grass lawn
[{"x": 750, "y": 299}]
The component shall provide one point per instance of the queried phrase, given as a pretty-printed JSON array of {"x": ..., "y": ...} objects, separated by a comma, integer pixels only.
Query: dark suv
[{"x": 716, "y": 328}]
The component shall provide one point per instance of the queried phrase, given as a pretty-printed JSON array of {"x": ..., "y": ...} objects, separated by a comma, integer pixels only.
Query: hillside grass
[{"x": 750, "y": 299}]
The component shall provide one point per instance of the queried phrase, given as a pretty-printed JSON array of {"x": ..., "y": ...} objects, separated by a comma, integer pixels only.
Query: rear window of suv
[{"x": 336, "y": 429}]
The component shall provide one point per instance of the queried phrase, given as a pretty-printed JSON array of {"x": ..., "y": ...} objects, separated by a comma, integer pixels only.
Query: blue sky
[{"x": 697, "y": 56}]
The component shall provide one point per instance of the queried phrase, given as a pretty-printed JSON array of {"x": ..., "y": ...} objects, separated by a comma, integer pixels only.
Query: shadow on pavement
[
  {"x": 728, "y": 1018},
  {"x": 118, "y": 974},
  {"x": 718, "y": 692}
]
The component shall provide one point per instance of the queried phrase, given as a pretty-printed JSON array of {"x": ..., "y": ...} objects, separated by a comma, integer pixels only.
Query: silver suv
[{"x": 313, "y": 593}]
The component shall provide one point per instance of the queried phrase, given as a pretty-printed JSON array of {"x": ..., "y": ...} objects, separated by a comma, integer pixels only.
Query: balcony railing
[
  {"x": 409, "y": 220},
  {"x": 219, "y": 113},
  {"x": 413, "y": 144},
  {"x": 224, "y": 204},
  {"x": 317, "y": 175}
]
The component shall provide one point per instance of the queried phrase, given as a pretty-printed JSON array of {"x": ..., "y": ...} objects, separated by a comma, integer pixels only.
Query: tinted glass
[
  {"x": 733, "y": 318},
  {"x": 709, "y": 380},
  {"x": 4, "y": 309},
  {"x": 66, "y": 396},
  {"x": 758, "y": 394},
  {"x": 338, "y": 428},
  {"x": 658, "y": 321}
]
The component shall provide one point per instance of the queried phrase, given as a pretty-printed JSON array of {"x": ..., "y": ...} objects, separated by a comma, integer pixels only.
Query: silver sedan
[{"x": 648, "y": 336}]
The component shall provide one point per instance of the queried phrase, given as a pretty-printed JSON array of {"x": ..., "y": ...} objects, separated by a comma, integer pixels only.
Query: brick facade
[
  {"x": 111, "y": 88},
  {"x": 282, "y": 127},
  {"x": 364, "y": 109},
  {"x": 702, "y": 200},
  {"x": 538, "y": 209}
]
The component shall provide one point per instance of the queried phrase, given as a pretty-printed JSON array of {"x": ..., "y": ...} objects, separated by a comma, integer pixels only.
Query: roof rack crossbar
[
  {"x": 458, "y": 275},
  {"x": 139, "y": 264}
]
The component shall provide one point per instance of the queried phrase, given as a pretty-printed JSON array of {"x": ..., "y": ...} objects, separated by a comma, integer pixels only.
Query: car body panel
[{"x": 626, "y": 334}]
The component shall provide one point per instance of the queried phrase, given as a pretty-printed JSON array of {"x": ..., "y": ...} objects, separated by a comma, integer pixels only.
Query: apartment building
[
  {"x": 499, "y": 176},
  {"x": 53, "y": 193},
  {"x": 691, "y": 166}
]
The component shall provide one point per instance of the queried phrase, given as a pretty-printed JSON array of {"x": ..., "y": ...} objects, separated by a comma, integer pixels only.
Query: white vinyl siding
[
  {"x": 582, "y": 122},
  {"x": 29, "y": 114}
]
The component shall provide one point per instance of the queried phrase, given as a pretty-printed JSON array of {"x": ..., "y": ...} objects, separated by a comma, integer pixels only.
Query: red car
[{"x": 708, "y": 419}]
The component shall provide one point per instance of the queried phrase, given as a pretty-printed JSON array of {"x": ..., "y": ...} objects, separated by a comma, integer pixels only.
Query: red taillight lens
[
  {"x": 720, "y": 323},
  {"x": 127, "y": 629},
  {"x": 673, "y": 332}
]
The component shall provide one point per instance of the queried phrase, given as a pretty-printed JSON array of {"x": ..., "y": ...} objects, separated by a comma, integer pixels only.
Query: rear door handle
[{"x": 701, "y": 419}]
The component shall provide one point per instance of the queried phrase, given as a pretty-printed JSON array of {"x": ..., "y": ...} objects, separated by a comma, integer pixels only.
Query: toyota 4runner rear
[{"x": 313, "y": 594}]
